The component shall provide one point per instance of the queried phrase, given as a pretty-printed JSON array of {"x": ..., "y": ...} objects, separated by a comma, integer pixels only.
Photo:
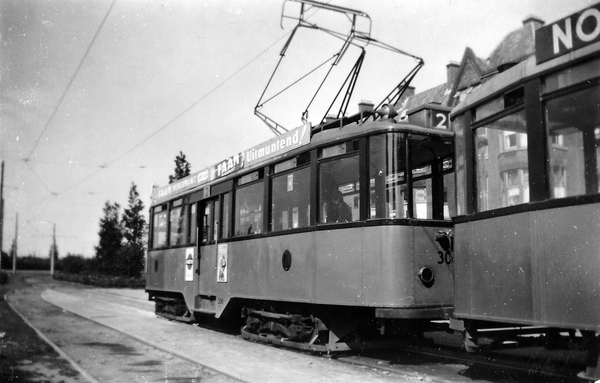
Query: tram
[
  {"x": 263, "y": 233},
  {"x": 527, "y": 240}
]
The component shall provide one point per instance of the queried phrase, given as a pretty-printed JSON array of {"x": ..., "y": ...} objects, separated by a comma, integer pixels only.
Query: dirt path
[
  {"x": 101, "y": 353},
  {"x": 24, "y": 356}
]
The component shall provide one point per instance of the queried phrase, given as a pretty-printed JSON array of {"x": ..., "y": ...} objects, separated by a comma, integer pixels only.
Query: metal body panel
[
  {"x": 427, "y": 253},
  {"x": 539, "y": 267},
  {"x": 166, "y": 271},
  {"x": 372, "y": 266}
]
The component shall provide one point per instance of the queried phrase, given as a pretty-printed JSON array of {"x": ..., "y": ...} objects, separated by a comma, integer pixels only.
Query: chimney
[
  {"x": 451, "y": 73},
  {"x": 365, "y": 106},
  {"x": 409, "y": 92},
  {"x": 532, "y": 23}
]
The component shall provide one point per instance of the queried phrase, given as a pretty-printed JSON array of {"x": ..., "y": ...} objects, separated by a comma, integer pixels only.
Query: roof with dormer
[{"x": 517, "y": 46}]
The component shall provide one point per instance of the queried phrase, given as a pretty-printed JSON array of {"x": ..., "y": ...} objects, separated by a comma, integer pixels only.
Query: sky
[{"x": 98, "y": 95}]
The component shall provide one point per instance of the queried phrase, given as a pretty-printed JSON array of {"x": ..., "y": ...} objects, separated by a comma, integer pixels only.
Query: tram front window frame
[{"x": 417, "y": 193}]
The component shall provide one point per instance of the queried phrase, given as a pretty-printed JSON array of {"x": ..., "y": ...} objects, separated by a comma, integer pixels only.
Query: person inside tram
[{"x": 340, "y": 211}]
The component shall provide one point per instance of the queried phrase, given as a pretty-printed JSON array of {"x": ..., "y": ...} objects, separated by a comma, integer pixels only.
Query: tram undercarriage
[
  {"x": 327, "y": 332},
  {"x": 482, "y": 335}
]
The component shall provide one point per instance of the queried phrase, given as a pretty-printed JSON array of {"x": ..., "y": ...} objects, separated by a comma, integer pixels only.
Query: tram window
[
  {"x": 388, "y": 190},
  {"x": 507, "y": 100},
  {"x": 425, "y": 152},
  {"x": 177, "y": 224},
  {"x": 193, "y": 223},
  {"x": 225, "y": 226},
  {"x": 458, "y": 125},
  {"x": 573, "y": 130},
  {"x": 501, "y": 161},
  {"x": 249, "y": 178},
  {"x": 159, "y": 227},
  {"x": 206, "y": 222},
  {"x": 571, "y": 76},
  {"x": 290, "y": 199},
  {"x": 339, "y": 149},
  {"x": 422, "y": 199},
  {"x": 249, "y": 209},
  {"x": 339, "y": 187},
  {"x": 449, "y": 209}
]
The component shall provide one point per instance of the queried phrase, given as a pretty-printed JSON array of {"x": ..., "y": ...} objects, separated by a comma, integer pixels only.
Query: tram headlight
[{"x": 426, "y": 276}]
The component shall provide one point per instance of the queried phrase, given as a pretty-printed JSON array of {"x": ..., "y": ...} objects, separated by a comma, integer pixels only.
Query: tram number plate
[
  {"x": 219, "y": 301},
  {"x": 445, "y": 257}
]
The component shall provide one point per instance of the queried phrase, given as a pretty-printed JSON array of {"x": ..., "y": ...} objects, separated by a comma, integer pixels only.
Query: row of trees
[{"x": 123, "y": 236}]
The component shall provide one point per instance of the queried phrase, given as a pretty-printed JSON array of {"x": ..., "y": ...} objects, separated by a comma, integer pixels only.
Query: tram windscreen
[{"x": 390, "y": 193}]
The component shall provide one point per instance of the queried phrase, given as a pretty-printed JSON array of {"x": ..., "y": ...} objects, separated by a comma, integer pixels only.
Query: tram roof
[
  {"x": 208, "y": 176},
  {"x": 519, "y": 74}
]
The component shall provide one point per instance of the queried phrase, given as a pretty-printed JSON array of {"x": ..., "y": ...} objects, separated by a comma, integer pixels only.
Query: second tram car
[
  {"x": 527, "y": 229},
  {"x": 321, "y": 242}
]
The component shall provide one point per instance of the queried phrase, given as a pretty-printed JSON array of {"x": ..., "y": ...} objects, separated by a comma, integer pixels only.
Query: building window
[{"x": 502, "y": 163}]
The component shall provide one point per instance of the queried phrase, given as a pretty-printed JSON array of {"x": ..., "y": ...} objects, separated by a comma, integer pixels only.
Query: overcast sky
[{"x": 99, "y": 94}]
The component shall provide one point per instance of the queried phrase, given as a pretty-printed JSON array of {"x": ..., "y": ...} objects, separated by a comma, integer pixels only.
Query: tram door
[{"x": 209, "y": 221}]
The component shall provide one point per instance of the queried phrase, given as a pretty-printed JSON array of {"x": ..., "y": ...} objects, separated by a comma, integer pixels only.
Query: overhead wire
[
  {"x": 62, "y": 97},
  {"x": 163, "y": 127}
]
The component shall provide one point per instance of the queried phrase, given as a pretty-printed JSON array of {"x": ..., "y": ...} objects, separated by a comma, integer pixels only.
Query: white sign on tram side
[{"x": 283, "y": 143}]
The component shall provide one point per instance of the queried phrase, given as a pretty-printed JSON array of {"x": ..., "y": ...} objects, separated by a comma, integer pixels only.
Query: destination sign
[{"x": 566, "y": 35}]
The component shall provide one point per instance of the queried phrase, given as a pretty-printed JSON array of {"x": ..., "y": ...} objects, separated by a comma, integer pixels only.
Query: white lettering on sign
[
  {"x": 229, "y": 165},
  {"x": 292, "y": 139},
  {"x": 568, "y": 34},
  {"x": 565, "y": 35}
]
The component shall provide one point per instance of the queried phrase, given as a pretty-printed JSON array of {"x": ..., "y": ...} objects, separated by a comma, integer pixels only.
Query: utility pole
[
  {"x": 1, "y": 211},
  {"x": 52, "y": 253},
  {"x": 15, "y": 247}
]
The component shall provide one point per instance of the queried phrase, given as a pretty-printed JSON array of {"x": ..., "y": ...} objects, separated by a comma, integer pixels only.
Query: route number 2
[{"x": 441, "y": 119}]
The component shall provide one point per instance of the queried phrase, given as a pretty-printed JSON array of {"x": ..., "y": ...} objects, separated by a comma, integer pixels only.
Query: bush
[
  {"x": 31, "y": 262},
  {"x": 101, "y": 280},
  {"x": 3, "y": 277},
  {"x": 75, "y": 264}
]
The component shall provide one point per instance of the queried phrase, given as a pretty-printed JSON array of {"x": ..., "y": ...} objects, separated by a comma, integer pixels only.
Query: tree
[
  {"x": 55, "y": 252},
  {"x": 182, "y": 168},
  {"x": 111, "y": 238},
  {"x": 134, "y": 230}
]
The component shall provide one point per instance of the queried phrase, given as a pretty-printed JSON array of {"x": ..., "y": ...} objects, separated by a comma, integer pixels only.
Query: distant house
[{"x": 471, "y": 72}]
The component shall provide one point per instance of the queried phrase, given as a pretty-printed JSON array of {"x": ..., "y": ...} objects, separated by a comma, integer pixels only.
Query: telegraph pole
[
  {"x": 52, "y": 253},
  {"x": 1, "y": 211},
  {"x": 15, "y": 246}
]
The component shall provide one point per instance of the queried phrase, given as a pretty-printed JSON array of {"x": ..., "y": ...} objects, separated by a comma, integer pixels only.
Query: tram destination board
[{"x": 568, "y": 34}]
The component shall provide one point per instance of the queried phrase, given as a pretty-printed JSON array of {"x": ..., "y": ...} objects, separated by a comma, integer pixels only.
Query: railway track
[{"x": 438, "y": 358}]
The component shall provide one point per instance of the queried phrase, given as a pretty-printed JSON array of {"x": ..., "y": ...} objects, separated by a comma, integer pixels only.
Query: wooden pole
[
  {"x": 52, "y": 253},
  {"x": 1, "y": 211},
  {"x": 15, "y": 246}
]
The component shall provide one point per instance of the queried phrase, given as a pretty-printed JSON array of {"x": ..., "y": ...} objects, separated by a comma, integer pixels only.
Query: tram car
[
  {"x": 321, "y": 240},
  {"x": 527, "y": 231}
]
